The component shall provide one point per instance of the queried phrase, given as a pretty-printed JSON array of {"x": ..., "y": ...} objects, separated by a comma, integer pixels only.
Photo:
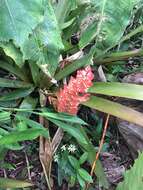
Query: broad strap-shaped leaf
[
  {"x": 33, "y": 124},
  {"x": 111, "y": 19},
  {"x": 28, "y": 103},
  {"x": 14, "y": 83},
  {"x": 19, "y": 18},
  {"x": 12, "y": 183},
  {"x": 14, "y": 69},
  {"x": 16, "y": 94},
  {"x": 133, "y": 177},
  {"x": 125, "y": 90},
  {"x": 18, "y": 136},
  {"x": 44, "y": 44},
  {"x": 73, "y": 130},
  {"x": 4, "y": 116},
  {"x": 75, "y": 65},
  {"x": 62, "y": 117},
  {"x": 115, "y": 109}
]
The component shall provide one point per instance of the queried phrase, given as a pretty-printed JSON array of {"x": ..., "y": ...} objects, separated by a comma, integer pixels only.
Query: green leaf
[
  {"x": 19, "y": 18},
  {"x": 80, "y": 135},
  {"x": 16, "y": 94},
  {"x": 125, "y": 90},
  {"x": 85, "y": 175},
  {"x": 12, "y": 183},
  {"x": 109, "y": 24},
  {"x": 68, "y": 23},
  {"x": 63, "y": 117},
  {"x": 4, "y": 116},
  {"x": 35, "y": 51},
  {"x": 7, "y": 165},
  {"x": 33, "y": 124},
  {"x": 72, "y": 130},
  {"x": 44, "y": 44},
  {"x": 133, "y": 177},
  {"x": 3, "y": 132},
  {"x": 28, "y": 103},
  {"x": 81, "y": 181},
  {"x": 21, "y": 126},
  {"x": 83, "y": 157},
  {"x": 14, "y": 83},
  {"x": 63, "y": 8},
  {"x": 74, "y": 162},
  {"x": 13, "y": 52},
  {"x": 35, "y": 71},
  {"x": 88, "y": 35},
  {"x": 14, "y": 69},
  {"x": 86, "y": 60},
  {"x": 115, "y": 109},
  {"x": 17, "y": 136}
]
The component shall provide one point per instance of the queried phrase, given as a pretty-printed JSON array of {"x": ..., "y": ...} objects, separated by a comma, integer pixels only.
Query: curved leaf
[
  {"x": 109, "y": 24},
  {"x": 46, "y": 34},
  {"x": 133, "y": 177},
  {"x": 63, "y": 117},
  {"x": 115, "y": 109},
  {"x": 13, "y": 52},
  {"x": 16, "y": 136},
  {"x": 85, "y": 175},
  {"x": 12, "y": 68},
  {"x": 125, "y": 90},
  {"x": 4, "y": 116},
  {"x": 74, "y": 162},
  {"x": 74, "y": 131},
  {"x": 86, "y": 60},
  {"x": 16, "y": 94},
  {"x": 14, "y": 83},
  {"x": 19, "y": 18}
]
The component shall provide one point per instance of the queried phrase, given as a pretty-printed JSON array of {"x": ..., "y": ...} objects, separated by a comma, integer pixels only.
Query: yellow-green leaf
[
  {"x": 11, "y": 183},
  {"x": 115, "y": 109},
  {"x": 125, "y": 90}
]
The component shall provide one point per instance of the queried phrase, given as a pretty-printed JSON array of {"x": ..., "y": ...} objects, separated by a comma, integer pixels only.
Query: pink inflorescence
[{"x": 75, "y": 92}]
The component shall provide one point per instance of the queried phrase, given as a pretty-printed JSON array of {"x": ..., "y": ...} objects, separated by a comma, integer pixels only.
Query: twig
[
  {"x": 5, "y": 175},
  {"x": 57, "y": 139},
  {"x": 100, "y": 148},
  {"x": 28, "y": 166}
]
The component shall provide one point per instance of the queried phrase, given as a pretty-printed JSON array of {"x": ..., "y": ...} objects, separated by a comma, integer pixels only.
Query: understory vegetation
[{"x": 71, "y": 76}]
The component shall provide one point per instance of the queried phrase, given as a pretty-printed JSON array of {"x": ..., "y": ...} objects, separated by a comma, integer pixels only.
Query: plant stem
[{"x": 28, "y": 165}]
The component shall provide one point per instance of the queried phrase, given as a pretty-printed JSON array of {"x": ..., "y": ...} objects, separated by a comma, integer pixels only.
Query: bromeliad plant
[{"x": 36, "y": 38}]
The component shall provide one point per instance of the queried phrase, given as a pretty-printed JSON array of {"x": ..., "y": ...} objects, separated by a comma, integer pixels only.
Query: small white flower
[
  {"x": 64, "y": 147},
  {"x": 72, "y": 148},
  {"x": 54, "y": 81},
  {"x": 56, "y": 158}
]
